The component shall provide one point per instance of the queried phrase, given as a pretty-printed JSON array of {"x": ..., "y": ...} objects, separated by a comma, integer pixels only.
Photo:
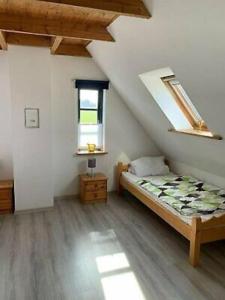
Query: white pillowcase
[{"x": 149, "y": 166}]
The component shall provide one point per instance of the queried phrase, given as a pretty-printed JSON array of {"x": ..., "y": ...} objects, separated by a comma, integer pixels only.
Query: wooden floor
[{"x": 120, "y": 250}]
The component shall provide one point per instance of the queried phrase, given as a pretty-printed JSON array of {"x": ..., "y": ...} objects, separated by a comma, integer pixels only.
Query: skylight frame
[
  {"x": 185, "y": 104},
  {"x": 184, "y": 119}
]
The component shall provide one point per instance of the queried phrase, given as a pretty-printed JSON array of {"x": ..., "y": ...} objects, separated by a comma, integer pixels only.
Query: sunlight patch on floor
[
  {"x": 121, "y": 287},
  {"x": 112, "y": 262},
  {"x": 118, "y": 280},
  {"x": 105, "y": 236}
]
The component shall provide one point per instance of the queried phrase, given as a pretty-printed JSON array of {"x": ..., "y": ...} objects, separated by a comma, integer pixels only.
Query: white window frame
[{"x": 100, "y": 146}]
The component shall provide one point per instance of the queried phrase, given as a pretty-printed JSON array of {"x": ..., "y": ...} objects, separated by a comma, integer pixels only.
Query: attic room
[{"x": 112, "y": 169}]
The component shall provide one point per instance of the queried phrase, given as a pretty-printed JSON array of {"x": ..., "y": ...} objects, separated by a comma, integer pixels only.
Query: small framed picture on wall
[{"x": 31, "y": 117}]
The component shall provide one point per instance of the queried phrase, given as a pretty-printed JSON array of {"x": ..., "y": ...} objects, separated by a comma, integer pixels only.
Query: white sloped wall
[{"x": 188, "y": 37}]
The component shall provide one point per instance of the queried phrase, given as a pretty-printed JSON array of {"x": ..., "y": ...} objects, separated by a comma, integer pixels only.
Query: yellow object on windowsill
[{"x": 91, "y": 147}]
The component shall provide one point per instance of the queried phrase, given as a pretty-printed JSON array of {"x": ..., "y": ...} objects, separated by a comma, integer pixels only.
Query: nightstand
[
  {"x": 93, "y": 189},
  {"x": 6, "y": 197}
]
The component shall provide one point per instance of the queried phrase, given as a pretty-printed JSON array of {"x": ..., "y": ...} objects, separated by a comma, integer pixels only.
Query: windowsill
[
  {"x": 205, "y": 134},
  {"x": 86, "y": 152}
]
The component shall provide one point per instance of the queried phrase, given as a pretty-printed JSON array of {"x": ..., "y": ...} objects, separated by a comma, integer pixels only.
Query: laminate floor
[{"x": 114, "y": 251}]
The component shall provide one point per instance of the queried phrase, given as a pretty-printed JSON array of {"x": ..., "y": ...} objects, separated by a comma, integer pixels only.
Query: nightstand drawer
[
  {"x": 5, "y": 205},
  {"x": 90, "y": 196},
  {"x": 5, "y": 194},
  {"x": 93, "y": 189},
  {"x": 96, "y": 186}
]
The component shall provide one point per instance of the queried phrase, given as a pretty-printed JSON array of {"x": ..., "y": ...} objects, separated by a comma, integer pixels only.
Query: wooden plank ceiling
[{"x": 65, "y": 26}]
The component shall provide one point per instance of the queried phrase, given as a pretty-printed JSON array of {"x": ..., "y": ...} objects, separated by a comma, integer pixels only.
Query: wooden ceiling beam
[
  {"x": 56, "y": 43},
  {"x": 43, "y": 41},
  {"x": 72, "y": 50},
  {"x": 135, "y": 8},
  {"x": 28, "y": 40},
  {"x": 44, "y": 27},
  {"x": 3, "y": 43}
]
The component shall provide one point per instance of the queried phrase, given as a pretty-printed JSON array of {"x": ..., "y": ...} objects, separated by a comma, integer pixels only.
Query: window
[
  {"x": 175, "y": 103},
  {"x": 90, "y": 117},
  {"x": 184, "y": 103},
  {"x": 91, "y": 113}
]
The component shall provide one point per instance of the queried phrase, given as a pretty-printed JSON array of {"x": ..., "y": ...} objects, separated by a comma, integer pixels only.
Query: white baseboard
[{"x": 34, "y": 210}]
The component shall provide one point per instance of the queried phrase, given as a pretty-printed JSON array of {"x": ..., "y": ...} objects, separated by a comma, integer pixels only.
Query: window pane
[
  {"x": 188, "y": 100},
  {"x": 88, "y": 99},
  {"x": 92, "y": 134},
  {"x": 88, "y": 117},
  {"x": 88, "y": 139},
  {"x": 185, "y": 104}
]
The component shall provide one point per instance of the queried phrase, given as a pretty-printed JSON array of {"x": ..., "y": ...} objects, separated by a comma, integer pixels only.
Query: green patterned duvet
[{"x": 187, "y": 195}]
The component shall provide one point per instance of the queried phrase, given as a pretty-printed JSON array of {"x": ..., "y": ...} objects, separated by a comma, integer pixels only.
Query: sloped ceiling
[{"x": 187, "y": 36}]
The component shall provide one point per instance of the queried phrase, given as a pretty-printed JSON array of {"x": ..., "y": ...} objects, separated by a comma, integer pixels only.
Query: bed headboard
[{"x": 122, "y": 167}]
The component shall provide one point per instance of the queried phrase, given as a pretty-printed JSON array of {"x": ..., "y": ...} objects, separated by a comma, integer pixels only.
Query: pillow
[{"x": 147, "y": 166}]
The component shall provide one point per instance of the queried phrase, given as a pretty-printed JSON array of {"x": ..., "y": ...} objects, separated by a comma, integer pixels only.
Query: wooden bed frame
[{"x": 199, "y": 232}]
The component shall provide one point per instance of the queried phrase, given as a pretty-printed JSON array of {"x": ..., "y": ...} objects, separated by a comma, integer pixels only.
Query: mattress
[{"x": 184, "y": 196}]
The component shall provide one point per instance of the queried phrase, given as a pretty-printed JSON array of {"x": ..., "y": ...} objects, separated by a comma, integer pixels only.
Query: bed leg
[
  {"x": 195, "y": 242},
  {"x": 194, "y": 252},
  {"x": 120, "y": 190}
]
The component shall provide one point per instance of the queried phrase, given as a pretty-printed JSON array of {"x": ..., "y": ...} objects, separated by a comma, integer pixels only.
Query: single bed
[{"x": 198, "y": 221}]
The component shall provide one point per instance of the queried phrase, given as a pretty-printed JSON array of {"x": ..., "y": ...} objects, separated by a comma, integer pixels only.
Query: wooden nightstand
[
  {"x": 93, "y": 189},
  {"x": 6, "y": 197}
]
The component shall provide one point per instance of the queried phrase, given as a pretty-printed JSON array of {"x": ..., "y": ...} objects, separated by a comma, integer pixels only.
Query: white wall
[
  {"x": 43, "y": 159},
  {"x": 30, "y": 76},
  {"x": 184, "y": 169},
  {"x": 6, "y": 165},
  {"x": 186, "y": 36},
  {"x": 125, "y": 138}
]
